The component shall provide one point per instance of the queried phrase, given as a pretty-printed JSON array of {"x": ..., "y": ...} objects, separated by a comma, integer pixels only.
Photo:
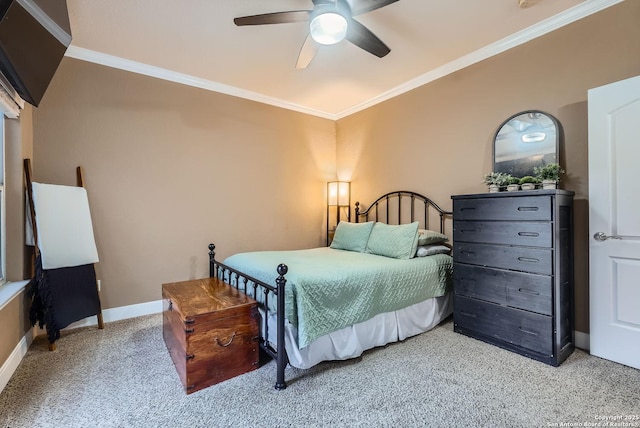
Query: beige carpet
[{"x": 123, "y": 377}]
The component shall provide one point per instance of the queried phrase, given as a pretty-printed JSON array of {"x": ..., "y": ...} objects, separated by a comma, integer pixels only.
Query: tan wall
[
  {"x": 14, "y": 317},
  {"x": 437, "y": 139},
  {"x": 170, "y": 168}
]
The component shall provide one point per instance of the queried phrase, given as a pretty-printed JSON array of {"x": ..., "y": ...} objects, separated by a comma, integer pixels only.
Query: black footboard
[{"x": 250, "y": 286}]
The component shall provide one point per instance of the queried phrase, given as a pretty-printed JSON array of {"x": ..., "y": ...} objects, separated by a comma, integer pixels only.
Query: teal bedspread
[{"x": 329, "y": 289}]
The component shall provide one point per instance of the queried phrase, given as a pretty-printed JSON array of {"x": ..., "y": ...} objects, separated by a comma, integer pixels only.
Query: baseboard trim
[
  {"x": 108, "y": 315},
  {"x": 582, "y": 340},
  {"x": 11, "y": 364},
  {"x": 120, "y": 313}
]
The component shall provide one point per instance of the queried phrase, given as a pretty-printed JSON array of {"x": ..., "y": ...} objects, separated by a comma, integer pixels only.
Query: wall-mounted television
[{"x": 34, "y": 35}]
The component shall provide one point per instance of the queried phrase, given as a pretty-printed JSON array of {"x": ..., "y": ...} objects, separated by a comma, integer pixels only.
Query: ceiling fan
[{"x": 330, "y": 21}]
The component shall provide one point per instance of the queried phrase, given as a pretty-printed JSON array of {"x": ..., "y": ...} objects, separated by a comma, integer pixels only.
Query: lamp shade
[
  {"x": 328, "y": 28},
  {"x": 338, "y": 193}
]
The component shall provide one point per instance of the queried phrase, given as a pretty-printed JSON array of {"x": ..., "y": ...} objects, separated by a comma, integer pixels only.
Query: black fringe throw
[{"x": 62, "y": 296}]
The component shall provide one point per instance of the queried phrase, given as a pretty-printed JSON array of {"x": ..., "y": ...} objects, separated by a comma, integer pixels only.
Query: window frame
[{"x": 3, "y": 211}]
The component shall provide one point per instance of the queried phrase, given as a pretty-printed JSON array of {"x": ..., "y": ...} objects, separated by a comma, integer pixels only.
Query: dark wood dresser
[
  {"x": 513, "y": 271},
  {"x": 211, "y": 331}
]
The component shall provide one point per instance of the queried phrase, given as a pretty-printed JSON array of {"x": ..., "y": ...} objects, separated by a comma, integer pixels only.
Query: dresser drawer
[
  {"x": 515, "y": 208},
  {"x": 525, "y": 259},
  {"x": 515, "y": 289},
  {"x": 530, "y": 234},
  {"x": 514, "y": 326}
]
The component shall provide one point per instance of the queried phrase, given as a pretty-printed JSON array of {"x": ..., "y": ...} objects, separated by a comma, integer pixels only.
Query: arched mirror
[{"x": 524, "y": 141}]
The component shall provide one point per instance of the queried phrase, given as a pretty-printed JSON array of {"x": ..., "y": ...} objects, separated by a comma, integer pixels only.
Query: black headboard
[{"x": 401, "y": 207}]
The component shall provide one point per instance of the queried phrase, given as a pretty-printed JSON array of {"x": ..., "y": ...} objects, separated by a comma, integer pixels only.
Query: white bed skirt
[{"x": 352, "y": 341}]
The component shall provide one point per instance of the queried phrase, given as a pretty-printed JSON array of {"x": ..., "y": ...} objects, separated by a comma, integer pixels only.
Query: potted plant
[
  {"x": 513, "y": 184},
  {"x": 528, "y": 182},
  {"x": 549, "y": 175},
  {"x": 496, "y": 180}
]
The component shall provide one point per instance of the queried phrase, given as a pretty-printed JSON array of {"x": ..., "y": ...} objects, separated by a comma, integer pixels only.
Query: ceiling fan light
[{"x": 328, "y": 28}]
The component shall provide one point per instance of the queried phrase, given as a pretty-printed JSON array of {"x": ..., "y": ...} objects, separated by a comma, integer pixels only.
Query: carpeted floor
[{"x": 123, "y": 377}]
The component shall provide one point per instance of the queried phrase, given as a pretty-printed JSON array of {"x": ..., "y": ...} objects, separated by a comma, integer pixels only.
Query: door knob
[{"x": 601, "y": 236}]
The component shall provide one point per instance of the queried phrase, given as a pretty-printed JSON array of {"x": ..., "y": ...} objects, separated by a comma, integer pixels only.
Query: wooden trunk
[{"x": 211, "y": 331}]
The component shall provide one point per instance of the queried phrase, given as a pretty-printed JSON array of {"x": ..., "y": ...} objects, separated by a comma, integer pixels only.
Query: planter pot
[
  {"x": 549, "y": 184},
  {"x": 513, "y": 187},
  {"x": 494, "y": 188},
  {"x": 528, "y": 186}
]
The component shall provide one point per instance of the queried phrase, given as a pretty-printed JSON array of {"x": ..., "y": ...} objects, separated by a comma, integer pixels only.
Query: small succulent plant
[
  {"x": 497, "y": 179},
  {"x": 551, "y": 172},
  {"x": 529, "y": 179}
]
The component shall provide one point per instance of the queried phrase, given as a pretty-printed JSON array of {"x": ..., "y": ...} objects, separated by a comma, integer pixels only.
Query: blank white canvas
[{"x": 63, "y": 222}]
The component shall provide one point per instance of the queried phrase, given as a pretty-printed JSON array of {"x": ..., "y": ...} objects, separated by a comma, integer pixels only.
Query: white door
[{"x": 614, "y": 221}]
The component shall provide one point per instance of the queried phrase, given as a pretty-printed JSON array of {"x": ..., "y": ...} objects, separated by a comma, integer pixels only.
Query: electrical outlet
[{"x": 98, "y": 286}]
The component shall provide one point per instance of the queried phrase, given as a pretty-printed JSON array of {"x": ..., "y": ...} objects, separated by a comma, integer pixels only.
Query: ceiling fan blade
[
  {"x": 307, "y": 52},
  {"x": 274, "y": 18},
  {"x": 360, "y": 36},
  {"x": 363, "y": 6}
]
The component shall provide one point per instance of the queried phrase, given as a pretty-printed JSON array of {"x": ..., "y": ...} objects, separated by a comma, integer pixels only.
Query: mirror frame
[{"x": 555, "y": 122}]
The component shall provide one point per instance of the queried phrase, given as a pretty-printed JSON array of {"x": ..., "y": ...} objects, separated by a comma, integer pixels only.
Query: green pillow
[
  {"x": 352, "y": 236},
  {"x": 428, "y": 237},
  {"x": 396, "y": 241}
]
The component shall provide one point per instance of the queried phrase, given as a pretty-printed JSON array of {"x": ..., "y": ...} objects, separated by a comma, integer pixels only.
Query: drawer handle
[
  {"x": 527, "y": 291},
  {"x": 528, "y": 260},
  {"x": 467, "y": 231},
  {"x": 529, "y": 234},
  {"x": 467, "y": 314},
  {"x": 224, "y": 345},
  {"x": 533, "y": 333},
  {"x": 527, "y": 208},
  {"x": 467, "y": 209}
]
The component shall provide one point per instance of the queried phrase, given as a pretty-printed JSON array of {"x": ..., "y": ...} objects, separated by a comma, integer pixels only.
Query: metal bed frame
[
  {"x": 247, "y": 284},
  {"x": 244, "y": 282},
  {"x": 384, "y": 204}
]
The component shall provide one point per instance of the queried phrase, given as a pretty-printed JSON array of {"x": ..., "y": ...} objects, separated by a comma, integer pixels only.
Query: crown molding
[
  {"x": 185, "y": 79},
  {"x": 576, "y": 13},
  {"x": 569, "y": 16}
]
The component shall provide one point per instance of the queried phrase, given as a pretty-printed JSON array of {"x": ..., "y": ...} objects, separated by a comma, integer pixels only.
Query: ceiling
[{"x": 195, "y": 42}]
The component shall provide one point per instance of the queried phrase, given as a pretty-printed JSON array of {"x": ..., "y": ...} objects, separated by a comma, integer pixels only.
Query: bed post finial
[
  {"x": 281, "y": 355},
  {"x": 282, "y": 269},
  {"x": 212, "y": 257},
  {"x": 357, "y": 212}
]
